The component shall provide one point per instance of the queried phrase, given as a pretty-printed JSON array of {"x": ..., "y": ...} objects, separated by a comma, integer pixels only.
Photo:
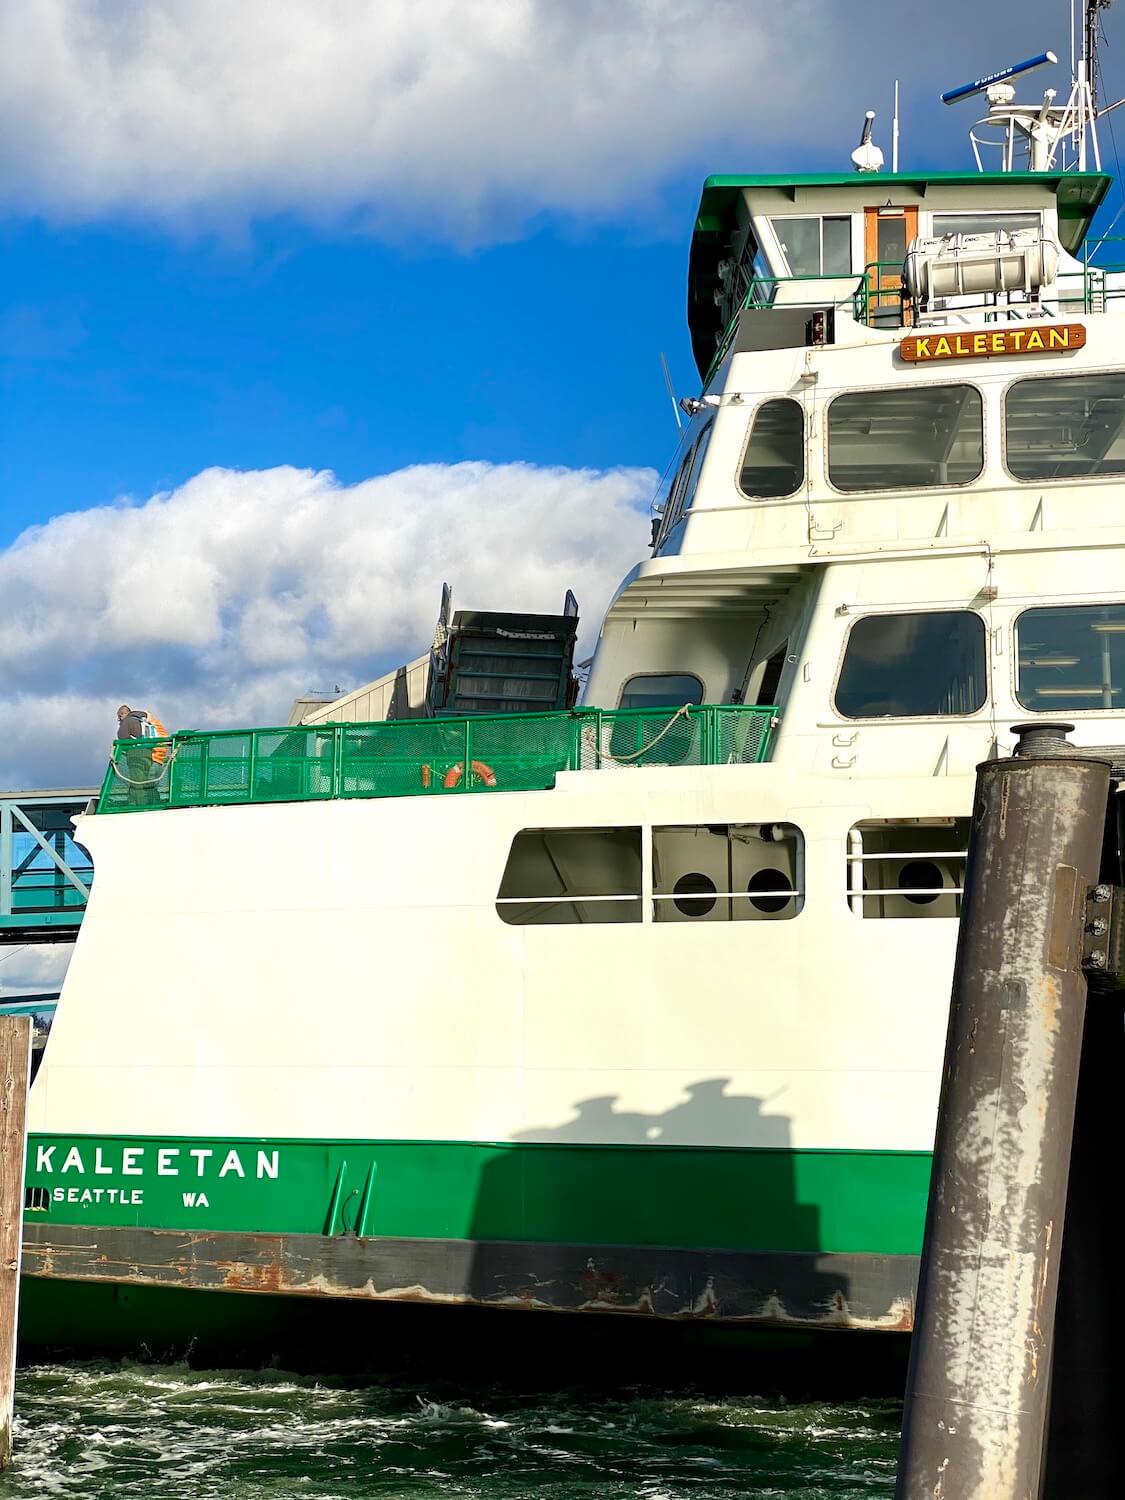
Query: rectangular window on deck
[
  {"x": 661, "y": 690},
  {"x": 985, "y": 223},
  {"x": 912, "y": 437},
  {"x": 1071, "y": 658},
  {"x": 913, "y": 665},
  {"x": 736, "y": 872},
  {"x": 1065, "y": 427},
  {"x": 557, "y": 876},
  {"x": 773, "y": 464},
  {"x": 907, "y": 867},
  {"x": 816, "y": 246},
  {"x": 684, "y": 484}
]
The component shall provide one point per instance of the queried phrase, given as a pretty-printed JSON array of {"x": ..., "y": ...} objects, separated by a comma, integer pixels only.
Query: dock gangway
[{"x": 45, "y": 875}]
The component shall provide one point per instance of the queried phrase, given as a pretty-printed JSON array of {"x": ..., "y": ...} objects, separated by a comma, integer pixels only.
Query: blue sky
[
  {"x": 256, "y": 323},
  {"x": 133, "y": 359}
]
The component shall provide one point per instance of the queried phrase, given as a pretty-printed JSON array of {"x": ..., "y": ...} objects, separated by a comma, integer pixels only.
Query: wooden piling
[{"x": 15, "y": 1069}]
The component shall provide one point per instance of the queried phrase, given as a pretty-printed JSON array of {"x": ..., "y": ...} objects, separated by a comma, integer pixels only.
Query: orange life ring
[
  {"x": 453, "y": 776},
  {"x": 486, "y": 773}
]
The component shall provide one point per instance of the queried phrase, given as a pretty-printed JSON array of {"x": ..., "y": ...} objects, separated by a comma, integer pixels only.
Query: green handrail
[
  {"x": 412, "y": 757},
  {"x": 869, "y": 297}
]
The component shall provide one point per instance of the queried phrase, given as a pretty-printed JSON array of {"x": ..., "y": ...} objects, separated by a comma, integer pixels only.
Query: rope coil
[
  {"x": 590, "y": 731},
  {"x": 165, "y": 767}
]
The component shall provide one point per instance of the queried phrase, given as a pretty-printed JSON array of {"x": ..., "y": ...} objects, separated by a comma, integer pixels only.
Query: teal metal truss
[{"x": 45, "y": 876}]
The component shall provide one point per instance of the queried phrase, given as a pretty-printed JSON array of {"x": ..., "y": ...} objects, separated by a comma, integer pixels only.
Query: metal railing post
[
  {"x": 7, "y": 859},
  {"x": 336, "y": 779},
  {"x": 467, "y": 775},
  {"x": 204, "y": 769},
  {"x": 252, "y": 765},
  {"x": 170, "y": 779}
]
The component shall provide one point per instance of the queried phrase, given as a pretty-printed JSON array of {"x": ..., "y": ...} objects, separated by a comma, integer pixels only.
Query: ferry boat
[{"x": 636, "y": 1006}]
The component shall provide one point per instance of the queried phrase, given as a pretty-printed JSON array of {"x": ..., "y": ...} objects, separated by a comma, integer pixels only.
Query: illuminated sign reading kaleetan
[{"x": 1050, "y": 338}]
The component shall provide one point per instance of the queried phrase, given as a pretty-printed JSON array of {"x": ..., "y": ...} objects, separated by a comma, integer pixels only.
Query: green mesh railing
[{"x": 430, "y": 757}]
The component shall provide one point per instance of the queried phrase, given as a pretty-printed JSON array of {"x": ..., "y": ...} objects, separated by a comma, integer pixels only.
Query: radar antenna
[{"x": 1049, "y": 136}]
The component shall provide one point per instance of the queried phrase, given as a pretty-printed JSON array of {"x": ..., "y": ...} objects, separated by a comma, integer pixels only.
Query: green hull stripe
[{"x": 847, "y": 1201}]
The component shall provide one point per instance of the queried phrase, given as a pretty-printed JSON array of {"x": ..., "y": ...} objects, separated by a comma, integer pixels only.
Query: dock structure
[
  {"x": 15, "y": 1067},
  {"x": 986, "y": 1390},
  {"x": 45, "y": 876}
]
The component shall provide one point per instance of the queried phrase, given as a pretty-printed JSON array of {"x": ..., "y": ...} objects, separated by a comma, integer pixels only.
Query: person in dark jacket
[
  {"x": 128, "y": 723},
  {"x": 138, "y": 759}
]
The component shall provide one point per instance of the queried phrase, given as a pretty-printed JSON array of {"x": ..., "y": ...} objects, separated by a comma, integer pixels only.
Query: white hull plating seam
[{"x": 338, "y": 970}]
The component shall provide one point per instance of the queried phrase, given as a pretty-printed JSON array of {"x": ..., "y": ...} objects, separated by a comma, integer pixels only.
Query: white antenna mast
[
  {"x": 894, "y": 134},
  {"x": 671, "y": 392}
]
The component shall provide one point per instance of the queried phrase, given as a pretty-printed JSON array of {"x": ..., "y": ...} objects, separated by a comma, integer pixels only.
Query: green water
[{"x": 121, "y": 1429}]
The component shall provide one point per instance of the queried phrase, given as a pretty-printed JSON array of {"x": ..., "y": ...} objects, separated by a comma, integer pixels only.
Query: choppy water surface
[{"x": 110, "y": 1430}]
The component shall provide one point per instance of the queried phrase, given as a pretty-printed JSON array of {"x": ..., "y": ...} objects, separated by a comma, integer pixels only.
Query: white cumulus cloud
[
  {"x": 463, "y": 117},
  {"x": 461, "y": 112},
  {"x": 219, "y": 603},
  {"x": 35, "y": 968}
]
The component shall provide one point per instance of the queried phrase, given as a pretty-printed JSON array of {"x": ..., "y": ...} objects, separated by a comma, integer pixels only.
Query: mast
[
  {"x": 1090, "y": 48},
  {"x": 1053, "y": 135}
]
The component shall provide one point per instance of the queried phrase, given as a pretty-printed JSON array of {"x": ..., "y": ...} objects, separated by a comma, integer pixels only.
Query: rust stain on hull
[{"x": 813, "y": 1291}]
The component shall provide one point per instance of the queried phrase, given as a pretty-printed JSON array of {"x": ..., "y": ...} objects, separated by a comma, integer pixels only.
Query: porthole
[
  {"x": 695, "y": 895},
  {"x": 924, "y": 879},
  {"x": 770, "y": 881}
]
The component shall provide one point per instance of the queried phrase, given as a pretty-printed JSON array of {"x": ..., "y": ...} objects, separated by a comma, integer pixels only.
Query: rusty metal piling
[{"x": 975, "y": 1418}]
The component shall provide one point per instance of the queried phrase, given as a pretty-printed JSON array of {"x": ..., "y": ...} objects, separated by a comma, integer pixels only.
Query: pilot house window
[
  {"x": 912, "y": 665},
  {"x": 1065, "y": 427},
  {"x": 1007, "y": 223},
  {"x": 816, "y": 246},
  {"x": 912, "y": 437},
  {"x": 1071, "y": 658},
  {"x": 773, "y": 464},
  {"x": 571, "y": 875}
]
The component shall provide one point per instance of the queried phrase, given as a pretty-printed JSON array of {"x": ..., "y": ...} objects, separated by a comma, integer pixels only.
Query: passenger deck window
[
  {"x": 912, "y": 437},
  {"x": 736, "y": 872},
  {"x": 1071, "y": 658},
  {"x": 907, "y": 867},
  {"x": 905, "y": 666},
  {"x": 1065, "y": 426},
  {"x": 569, "y": 875},
  {"x": 773, "y": 464},
  {"x": 661, "y": 690},
  {"x": 687, "y": 479}
]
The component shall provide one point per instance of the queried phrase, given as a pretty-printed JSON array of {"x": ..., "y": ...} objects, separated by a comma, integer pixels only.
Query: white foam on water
[{"x": 168, "y": 1432}]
